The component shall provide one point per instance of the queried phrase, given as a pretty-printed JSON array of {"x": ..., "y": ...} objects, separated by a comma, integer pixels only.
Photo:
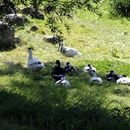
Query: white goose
[
  {"x": 123, "y": 80},
  {"x": 94, "y": 78},
  {"x": 34, "y": 63},
  {"x": 67, "y": 51},
  {"x": 63, "y": 82}
]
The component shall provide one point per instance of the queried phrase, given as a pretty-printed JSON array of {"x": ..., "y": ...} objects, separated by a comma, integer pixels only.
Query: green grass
[{"x": 30, "y": 100}]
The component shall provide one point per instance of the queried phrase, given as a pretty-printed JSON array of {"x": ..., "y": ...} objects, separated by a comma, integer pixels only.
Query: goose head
[
  {"x": 68, "y": 64},
  {"x": 112, "y": 72},
  {"x": 89, "y": 69},
  {"x": 89, "y": 66},
  {"x": 57, "y": 63},
  {"x": 29, "y": 49}
]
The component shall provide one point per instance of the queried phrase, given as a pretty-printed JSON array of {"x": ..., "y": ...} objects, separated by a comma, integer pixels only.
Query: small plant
[{"x": 115, "y": 53}]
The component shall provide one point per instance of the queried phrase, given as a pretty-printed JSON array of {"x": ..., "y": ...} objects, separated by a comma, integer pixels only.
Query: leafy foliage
[
  {"x": 55, "y": 10},
  {"x": 120, "y": 7}
]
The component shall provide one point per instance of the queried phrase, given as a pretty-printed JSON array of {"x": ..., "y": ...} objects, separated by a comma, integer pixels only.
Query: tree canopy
[{"x": 55, "y": 10}]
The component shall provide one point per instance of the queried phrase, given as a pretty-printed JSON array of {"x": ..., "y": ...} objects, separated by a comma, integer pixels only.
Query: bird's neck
[
  {"x": 61, "y": 48},
  {"x": 90, "y": 67},
  {"x": 94, "y": 75},
  {"x": 30, "y": 55}
]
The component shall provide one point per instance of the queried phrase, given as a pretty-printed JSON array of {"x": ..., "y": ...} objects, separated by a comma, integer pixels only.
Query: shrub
[{"x": 120, "y": 7}]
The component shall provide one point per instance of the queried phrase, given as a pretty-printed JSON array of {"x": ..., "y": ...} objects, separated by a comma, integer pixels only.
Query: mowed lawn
[{"x": 31, "y": 101}]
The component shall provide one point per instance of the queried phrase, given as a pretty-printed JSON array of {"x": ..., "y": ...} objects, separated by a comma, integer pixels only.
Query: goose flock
[{"x": 59, "y": 73}]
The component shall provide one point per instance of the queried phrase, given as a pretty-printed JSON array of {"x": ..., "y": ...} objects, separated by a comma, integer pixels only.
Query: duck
[
  {"x": 123, "y": 80},
  {"x": 67, "y": 51},
  {"x": 88, "y": 69},
  {"x": 34, "y": 63},
  {"x": 63, "y": 82},
  {"x": 69, "y": 69},
  {"x": 112, "y": 76},
  {"x": 95, "y": 78}
]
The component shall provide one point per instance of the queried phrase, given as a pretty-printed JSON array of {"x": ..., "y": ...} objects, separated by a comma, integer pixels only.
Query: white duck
[
  {"x": 88, "y": 68},
  {"x": 34, "y": 63},
  {"x": 63, "y": 82},
  {"x": 67, "y": 51},
  {"x": 94, "y": 78},
  {"x": 123, "y": 80}
]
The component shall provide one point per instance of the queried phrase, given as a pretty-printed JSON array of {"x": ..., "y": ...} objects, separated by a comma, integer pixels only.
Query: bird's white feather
[
  {"x": 123, "y": 80},
  {"x": 97, "y": 80},
  {"x": 34, "y": 63},
  {"x": 67, "y": 51},
  {"x": 63, "y": 82}
]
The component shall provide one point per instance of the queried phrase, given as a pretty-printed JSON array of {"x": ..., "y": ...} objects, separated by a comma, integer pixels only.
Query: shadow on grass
[
  {"x": 59, "y": 115},
  {"x": 37, "y": 103},
  {"x": 7, "y": 47}
]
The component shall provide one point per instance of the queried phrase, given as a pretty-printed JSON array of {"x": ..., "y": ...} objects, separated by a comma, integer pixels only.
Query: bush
[{"x": 121, "y": 7}]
